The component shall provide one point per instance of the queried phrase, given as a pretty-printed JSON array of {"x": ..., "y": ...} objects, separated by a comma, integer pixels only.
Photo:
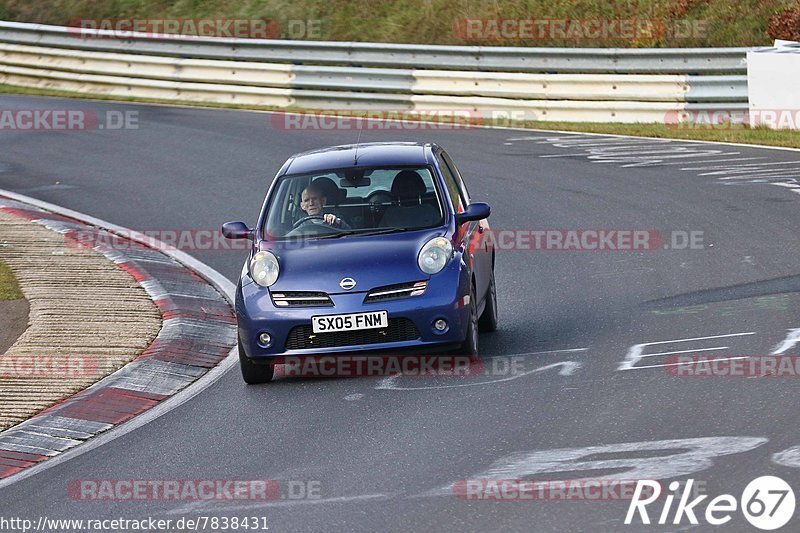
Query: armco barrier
[
  {"x": 636, "y": 85},
  {"x": 483, "y": 58}
]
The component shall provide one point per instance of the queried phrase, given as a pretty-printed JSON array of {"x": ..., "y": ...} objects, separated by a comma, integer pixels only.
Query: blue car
[{"x": 368, "y": 248}]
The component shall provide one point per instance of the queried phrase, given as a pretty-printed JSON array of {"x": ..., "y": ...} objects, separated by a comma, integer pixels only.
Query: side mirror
[
  {"x": 476, "y": 211},
  {"x": 236, "y": 230}
]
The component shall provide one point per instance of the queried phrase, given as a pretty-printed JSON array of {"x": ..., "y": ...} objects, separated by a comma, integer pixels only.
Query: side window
[
  {"x": 457, "y": 174},
  {"x": 451, "y": 184}
]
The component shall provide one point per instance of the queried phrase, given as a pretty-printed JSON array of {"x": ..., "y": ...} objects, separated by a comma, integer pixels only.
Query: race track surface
[{"x": 385, "y": 452}]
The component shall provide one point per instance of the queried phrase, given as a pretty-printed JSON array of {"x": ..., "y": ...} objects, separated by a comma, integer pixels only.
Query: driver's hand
[{"x": 330, "y": 219}]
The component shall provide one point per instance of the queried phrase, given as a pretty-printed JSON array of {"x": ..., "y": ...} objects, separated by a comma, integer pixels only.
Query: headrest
[
  {"x": 332, "y": 193},
  {"x": 408, "y": 184}
]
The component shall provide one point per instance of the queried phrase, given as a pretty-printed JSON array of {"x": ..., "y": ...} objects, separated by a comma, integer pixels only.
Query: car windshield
[{"x": 340, "y": 203}]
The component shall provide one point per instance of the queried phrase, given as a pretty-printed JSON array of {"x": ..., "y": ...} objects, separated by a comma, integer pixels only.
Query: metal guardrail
[
  {"x": 663, "y": 88},
  {"x": 479, "y": 58},
  {"x": 604, "y": 85}
]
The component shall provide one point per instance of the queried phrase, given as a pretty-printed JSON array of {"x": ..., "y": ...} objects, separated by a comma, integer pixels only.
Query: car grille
[
  {"x": 301, "y": 299},
  {"x": 394, "y": 292},
  {"x": 400, "y": 329}
]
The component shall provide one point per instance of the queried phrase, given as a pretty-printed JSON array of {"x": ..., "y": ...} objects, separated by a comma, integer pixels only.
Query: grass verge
[
  {"x": 736, "y": 134},
  {"x": 681, "y": 23},
  {"x": 9, "y": 290}
]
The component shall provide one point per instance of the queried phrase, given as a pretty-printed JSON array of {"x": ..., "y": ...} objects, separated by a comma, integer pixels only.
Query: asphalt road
[{"x": 384, "y": 453}]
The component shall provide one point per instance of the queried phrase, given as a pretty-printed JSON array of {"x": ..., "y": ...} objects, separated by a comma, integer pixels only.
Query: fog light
[
  {"x": 440, "y": 324},
  {"x": 264, "y": 339}
]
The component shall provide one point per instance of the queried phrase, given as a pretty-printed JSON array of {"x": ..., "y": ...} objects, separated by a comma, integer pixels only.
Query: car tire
[
  {"x": 488, "y": 320},
  {"x": 253, "y": 373},
  {"x": 470, "y": 344}
]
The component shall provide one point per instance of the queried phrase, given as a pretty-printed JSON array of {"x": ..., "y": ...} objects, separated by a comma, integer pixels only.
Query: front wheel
[
  {"x": 470, "y": 344},
  {"x": 252, "y": 373}
]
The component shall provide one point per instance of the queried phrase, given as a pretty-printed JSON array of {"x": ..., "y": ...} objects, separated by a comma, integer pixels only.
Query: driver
[{"x": 312, "y": 200}]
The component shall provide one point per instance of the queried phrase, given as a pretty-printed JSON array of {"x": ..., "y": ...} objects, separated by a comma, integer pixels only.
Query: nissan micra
[{"x": 370, "y": 248}]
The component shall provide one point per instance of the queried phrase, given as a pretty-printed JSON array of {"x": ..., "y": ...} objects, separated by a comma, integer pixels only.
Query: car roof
[{"x": 369, "y": 155}]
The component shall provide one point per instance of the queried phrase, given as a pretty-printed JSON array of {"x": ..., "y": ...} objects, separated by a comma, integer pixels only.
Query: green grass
[
  {"x": 744, "y": 135},
  {"x": 726, "y": 22},
  {"x": 9, "y": 290}
]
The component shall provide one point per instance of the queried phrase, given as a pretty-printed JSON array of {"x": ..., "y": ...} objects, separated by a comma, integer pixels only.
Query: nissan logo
[{"x": 347, "y": 283}]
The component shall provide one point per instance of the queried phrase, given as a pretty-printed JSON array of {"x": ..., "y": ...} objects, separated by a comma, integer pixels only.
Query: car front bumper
[{"x": 443, "y": 299}]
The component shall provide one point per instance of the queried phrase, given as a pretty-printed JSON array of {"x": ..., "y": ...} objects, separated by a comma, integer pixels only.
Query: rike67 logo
[{"x": 767, "y": 502}]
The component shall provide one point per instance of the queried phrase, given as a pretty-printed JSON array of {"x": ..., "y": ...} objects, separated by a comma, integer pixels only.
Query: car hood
[{"x": 372, "y": 261}]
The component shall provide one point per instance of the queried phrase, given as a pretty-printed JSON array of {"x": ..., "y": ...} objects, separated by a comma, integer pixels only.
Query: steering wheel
[{"x": 306, "y": 219}]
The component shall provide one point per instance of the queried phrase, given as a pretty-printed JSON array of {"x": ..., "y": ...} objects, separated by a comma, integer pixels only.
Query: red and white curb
[{"x": 198, "y": 333}]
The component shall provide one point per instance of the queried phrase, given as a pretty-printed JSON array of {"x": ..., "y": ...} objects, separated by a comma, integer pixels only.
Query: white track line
[
  {"x": 688, "y": 362},
  {"x": 223, "y": 284},
  {"x": 216, "y": 507},
  {"x": 568, "y": 368},
  {"x": 565, "y": 350},
  {"x": 703, "y": 338},
  {"x": 685, "y": 351}
]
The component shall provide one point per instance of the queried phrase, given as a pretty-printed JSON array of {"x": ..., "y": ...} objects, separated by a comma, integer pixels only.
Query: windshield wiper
[
  {"x": 363, "y": 231},
  {"x": 378, "y": 231}
]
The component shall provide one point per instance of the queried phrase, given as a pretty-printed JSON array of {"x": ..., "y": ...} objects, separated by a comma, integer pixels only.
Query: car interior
[{"x": 363, "y": 198}]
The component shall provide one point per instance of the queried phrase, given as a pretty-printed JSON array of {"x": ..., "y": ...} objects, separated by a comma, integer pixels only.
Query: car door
[{"x": 476, "y": 247}]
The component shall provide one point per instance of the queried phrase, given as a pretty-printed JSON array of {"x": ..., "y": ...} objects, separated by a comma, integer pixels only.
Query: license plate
[{"x": 352, "y": 322}]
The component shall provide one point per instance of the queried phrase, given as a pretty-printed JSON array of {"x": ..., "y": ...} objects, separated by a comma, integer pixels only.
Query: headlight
[
  {"x": 264, "y": 268},
  {"x": 434, "y": 255}
]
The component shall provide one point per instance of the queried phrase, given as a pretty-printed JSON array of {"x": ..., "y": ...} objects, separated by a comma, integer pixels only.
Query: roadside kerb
[{"x": 198, "y": 333}]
